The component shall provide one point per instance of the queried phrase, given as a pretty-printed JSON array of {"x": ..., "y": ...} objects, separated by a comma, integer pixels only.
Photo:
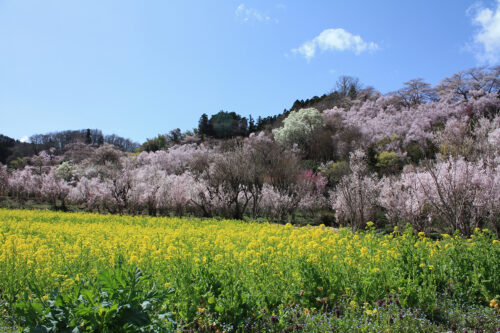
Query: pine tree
[
  {"x": 88, "y": 138},
  {"x": 204, "y": 126},
  {"x": 251, "y": 125}
]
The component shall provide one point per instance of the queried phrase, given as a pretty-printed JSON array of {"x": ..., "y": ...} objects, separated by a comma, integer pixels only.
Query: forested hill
[
  {"x": 403, "y": 157},
  {"x": 13, "y": 151},
  {"x": 222, "y": 125},
  {"x": 348, "y": 93}
]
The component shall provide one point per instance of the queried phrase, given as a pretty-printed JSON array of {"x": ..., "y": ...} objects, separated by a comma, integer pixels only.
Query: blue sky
[{"x": 140, "y": 68}]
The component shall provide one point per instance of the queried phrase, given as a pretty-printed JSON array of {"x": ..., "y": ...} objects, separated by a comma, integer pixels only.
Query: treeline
[
  {"x": 224, "y": 125},
  {"x": 13, "y": 151}
]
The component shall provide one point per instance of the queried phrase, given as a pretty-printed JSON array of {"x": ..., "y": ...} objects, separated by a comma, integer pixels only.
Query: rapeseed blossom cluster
[{"x": 208, "y": 261}]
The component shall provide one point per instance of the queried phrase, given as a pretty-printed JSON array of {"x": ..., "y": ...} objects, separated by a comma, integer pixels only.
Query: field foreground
[{"x": 88, "y": 272}]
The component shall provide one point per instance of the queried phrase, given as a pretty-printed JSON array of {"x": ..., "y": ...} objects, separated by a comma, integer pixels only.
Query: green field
[{"x": 87, "y": 272}]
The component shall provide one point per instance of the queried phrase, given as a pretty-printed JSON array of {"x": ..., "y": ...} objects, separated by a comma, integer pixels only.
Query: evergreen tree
[
  {"x": 251, "y": 125},
  {"x": 88, "y": 138},
  {"x": 204, "y": 126},
  {"x": 260, "y": 125},
  {"x": 243, "y": 127}
]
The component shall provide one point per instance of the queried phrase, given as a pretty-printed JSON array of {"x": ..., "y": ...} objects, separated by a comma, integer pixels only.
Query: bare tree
[{"x": 348, "y": 85}]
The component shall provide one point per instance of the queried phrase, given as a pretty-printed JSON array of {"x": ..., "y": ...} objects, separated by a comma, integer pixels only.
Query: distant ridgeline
[
  {"x": 348, "y": 93},
  {"x": 11, "y": 149},
  {"x": 222, "y": 125}
]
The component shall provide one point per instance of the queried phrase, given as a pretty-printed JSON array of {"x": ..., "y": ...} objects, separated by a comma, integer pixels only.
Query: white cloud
[
  {"x": 335, "y": 40},
  {"x": 250, "y": 14},
  {"x": 24, "y": 139},
  {"x": 487, "y": 38}
]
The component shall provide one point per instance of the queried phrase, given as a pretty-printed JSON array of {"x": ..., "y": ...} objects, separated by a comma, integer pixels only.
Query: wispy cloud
[
  {"x": 251, "y": 14},
  {"x": 334, "y": 40},
  {"x": 487, "y": 39},
  {"x": 24, "y": 139}
]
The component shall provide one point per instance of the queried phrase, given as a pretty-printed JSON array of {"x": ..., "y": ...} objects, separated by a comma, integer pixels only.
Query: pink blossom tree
[
  {"x": 175, "y": 193},
  {"x": 24, "y": 183},
  {"x": 118, "y": 188},
  {"x": 460, "y": 194},
  {"x": 54, "y": 189},
  {"x": 89, "y": 192},
  {"x": 4, "y": 179},
  {"x": 146, "y": 182},
  {"x": 460, "y": 85},
  {"x": 355, "y": 197}
]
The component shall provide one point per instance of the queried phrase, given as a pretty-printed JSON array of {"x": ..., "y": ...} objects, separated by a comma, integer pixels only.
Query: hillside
[{"x": 386, "y": 159}]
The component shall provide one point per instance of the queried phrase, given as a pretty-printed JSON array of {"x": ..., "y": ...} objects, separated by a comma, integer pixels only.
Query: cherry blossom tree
[
  {"x": 24, "y": 183},
  {"x": 404, "y": 201},
  {"x": 147, "y": 180},
  {"x": 460, "y": 194},
  {"x": 460, "y": 85},
  {"x": 355, "y": 196},
  {"x": 277, "y": 204},
  {"x": 89, "y": 192},
  {"x": 4, "y": 179},
  {"x": 311, "y": 188},
  {"x": 175, "y": 193},
  {"x": 54, "y": 189},
  {"x": 415, "y": 92},
  {"x": 118, "y": 188},
  {"x": 44, "y": 160}
]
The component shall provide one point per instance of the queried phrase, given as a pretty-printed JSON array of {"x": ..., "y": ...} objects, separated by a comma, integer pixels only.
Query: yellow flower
[{"x": 50, "y": 248}]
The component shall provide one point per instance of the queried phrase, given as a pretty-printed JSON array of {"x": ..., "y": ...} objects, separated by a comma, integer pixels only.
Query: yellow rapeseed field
[{"x": 239, "y": 268}]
